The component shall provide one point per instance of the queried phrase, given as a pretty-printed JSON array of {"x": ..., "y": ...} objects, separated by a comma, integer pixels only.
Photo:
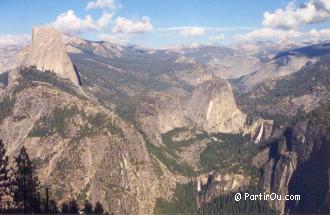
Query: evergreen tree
[
  {"x": 73, "y": 206},
  {"x": 98, "y": 208},
  {"x": 52, "y": 207},
  {"x": 88, "y": 207},
  {"x": 46, "y": 209},
  {"x": 26, "y": 183},
  {"x": 4, "y": 176},
  {"x": 65, "y": 208}
]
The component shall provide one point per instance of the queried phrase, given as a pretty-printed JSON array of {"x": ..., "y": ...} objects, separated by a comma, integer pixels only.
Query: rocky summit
[
  {"x": 213, "y": 108},
  {"x": 48, "y": 52}
]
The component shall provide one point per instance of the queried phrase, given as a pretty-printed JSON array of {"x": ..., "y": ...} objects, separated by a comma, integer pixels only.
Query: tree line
[{"x": 21, "y": 192}]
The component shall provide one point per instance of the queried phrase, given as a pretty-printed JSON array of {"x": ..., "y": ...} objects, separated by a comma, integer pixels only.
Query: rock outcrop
[
  {"x": 274, "y": 70},
  {"x": 299, "y": 164},
  {"x": 212, "y": 108},
  {"x": 215, "y": 184},
  {"x": 48, "y": 52},
  {"x": 158, "y": 114},
  {"x": 259, "y": 130}
]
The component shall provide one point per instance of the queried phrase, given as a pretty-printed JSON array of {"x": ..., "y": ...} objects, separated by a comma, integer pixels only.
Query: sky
[{"x": 168, "y": 23}]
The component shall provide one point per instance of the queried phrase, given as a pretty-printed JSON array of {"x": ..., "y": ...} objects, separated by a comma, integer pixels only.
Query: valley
[{"x": 170, "y": 131}]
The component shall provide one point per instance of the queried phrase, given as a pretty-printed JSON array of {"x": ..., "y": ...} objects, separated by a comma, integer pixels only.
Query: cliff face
[
  {"x": 212, "y": 107},
  {"x": 158, "y": 114},
  {"x": 299, "y": 164},
  {"x": 216, "y": 184},
  {"x": 259, "y": 130},
  {"x": 48, "y": 52}
]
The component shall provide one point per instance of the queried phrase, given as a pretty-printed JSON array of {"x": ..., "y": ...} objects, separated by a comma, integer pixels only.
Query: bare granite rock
[
  {"x": 48, "y": 52},
  {"x": 212, "y": 107}
]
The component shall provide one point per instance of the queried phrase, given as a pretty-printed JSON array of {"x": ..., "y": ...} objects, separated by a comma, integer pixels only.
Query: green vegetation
[
  {"x": 97, "y": 123},
  {"x": 168, "y": 159},
  {"x": 25, "y": 184},
  {"x": 22, "y": 86},
  {"x": 31, "y": 74},
  {"x": 173, "y": 145},
  {"x": 6, "y": 107},
  {"x": 224, "y": 152},
  {"x": 20, "y": 190},
  {"x": 231, "y": 153},
  {"x": 166, "y": 156},
  {"x": 125, "y": 107},
  {"x": 59, "y": 122},
  {"x": 183, "y": 202},
  {"x": 320, "y": 118}
]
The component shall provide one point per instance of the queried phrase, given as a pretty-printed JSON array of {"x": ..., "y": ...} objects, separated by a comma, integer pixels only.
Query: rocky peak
[
  {"x": 48, "y": 52},
  {"x": 212, "y": 107}
]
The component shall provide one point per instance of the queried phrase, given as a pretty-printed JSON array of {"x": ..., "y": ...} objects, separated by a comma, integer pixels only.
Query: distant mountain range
[{"x": 172, "y": 131}]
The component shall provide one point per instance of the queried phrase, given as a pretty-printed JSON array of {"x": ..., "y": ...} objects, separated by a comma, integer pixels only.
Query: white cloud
[
  {"x": 123, "y": 25},
  {"x": 68, "y": 22},
  {"x": 319, "y": 34},
  {"x": 323, "y": 4},
  {"x": 105, "y": 19},
  {"x": 270, "y": 34},
  {"x": 314, "y": 11},
  {"x": 10, "y": 40},
  {"x": 285, "y": 24},
  {"x": 217, "y": 37},
  {"x": 215, "y": 29},
  {"x": 102, "y": 4},
  {"x": 192, "y": 31}
]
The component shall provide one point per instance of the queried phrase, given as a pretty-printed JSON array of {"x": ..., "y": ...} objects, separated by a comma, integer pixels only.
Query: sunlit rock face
[
  {"x": 213, "y": 108},
  {"x": 48, "y": 52}
]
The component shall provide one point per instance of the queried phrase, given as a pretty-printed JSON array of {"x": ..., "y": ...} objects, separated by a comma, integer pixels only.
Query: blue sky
[{"x": 164, "y": 23}]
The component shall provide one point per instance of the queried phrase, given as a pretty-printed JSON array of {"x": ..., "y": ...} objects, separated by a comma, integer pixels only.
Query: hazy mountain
[
  {"x": 8, "y": 57},
  {"x": 283, "y": 64},
  {"x": 303, "y": 90},
  {"x": 160, "y": 131}
]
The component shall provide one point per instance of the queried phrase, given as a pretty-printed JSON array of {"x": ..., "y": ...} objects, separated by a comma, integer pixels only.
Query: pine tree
[
  {"x": 4, "y": 176},
  {"x": 73, "y": 206},
  {"x": 98, "y": 208},
  {"x": 65, "y": 208},
  {"x": 47, "y": 200},
  {"x": 88, "y": 207},
  {"x": 26, "y": 183},
  {"x": 53, "y": 207}
]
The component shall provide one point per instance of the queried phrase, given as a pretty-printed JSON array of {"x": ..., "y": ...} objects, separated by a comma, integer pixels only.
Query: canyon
[{"x": 129, "y": 126}]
